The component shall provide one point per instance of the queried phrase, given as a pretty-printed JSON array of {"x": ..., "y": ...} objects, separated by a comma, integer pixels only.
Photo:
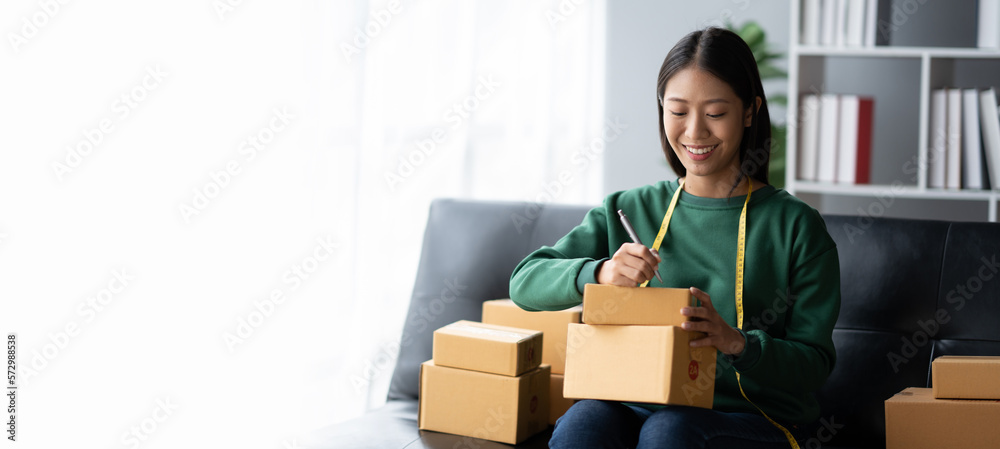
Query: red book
[{"x": 855, "y": 140}]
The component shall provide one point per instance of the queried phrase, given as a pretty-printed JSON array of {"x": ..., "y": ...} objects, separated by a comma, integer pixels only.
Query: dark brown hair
[{"x": 726, "y": 56}]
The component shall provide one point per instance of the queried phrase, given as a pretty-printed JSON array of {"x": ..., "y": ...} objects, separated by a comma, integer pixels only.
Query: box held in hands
[
  {"x": 653, "y": 364},
  {"x": 652, "y": 306}
]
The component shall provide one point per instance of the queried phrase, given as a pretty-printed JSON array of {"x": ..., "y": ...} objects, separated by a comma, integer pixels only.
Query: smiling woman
[{"x": 735, "y": 256}]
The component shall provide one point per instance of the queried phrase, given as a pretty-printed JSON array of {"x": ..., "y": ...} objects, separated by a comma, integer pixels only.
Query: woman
[{"x": 715, "y": 132}]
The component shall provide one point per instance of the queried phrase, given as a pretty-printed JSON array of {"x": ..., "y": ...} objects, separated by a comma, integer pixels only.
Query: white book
[
  {"x": 809, "y": 137},
  {"x": 828, "y": 35},
  {"x": 829, "y": 116},
  {"x": 871, "y": 22},
  {"x": 840, "y": 27},
  {"x": 939, "y": 135},
  {"x": 810, "y": 22},
  {"x": 855, "y": 34},
  {"x": 989, "y": 118},
  {"x": 847, "y": 139},
  {"x": 989, "y": 23},
  {"x": 953, "y": 145},
  {"x": 972, "y": 150}
]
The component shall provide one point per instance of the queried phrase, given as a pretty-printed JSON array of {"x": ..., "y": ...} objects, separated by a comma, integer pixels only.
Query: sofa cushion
[
  {"x": 968, "y": 300},
  {"x": 889, "y": 271},
  {"x": 470, "y": 249}
]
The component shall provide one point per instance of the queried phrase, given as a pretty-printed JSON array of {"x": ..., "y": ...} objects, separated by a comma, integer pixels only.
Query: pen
[{"x": 635, "y": 239}]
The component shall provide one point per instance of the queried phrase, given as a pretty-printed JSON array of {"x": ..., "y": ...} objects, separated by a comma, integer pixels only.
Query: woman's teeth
[{"x": 702, "y": 150}]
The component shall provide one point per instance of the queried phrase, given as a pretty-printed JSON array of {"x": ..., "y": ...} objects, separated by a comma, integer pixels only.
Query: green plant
[{"x": 756, "y": 38}]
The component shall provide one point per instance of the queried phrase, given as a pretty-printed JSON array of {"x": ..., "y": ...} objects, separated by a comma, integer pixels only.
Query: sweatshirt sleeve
[
  {"x": 552, "y": 277},
  {"x": 801, "y": 359}
]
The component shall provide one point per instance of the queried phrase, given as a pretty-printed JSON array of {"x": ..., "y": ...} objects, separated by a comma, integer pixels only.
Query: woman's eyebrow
[{"x": 714, "y": 100}]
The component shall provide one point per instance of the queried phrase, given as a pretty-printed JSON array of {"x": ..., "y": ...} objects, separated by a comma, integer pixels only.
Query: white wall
[{"x": 639, "y": 36}]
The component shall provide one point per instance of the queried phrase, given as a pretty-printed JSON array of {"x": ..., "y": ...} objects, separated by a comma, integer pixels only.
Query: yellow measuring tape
[{"x": 740, "y": 258}]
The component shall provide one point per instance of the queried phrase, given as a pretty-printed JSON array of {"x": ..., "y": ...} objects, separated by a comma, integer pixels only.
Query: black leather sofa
[{"x": 912, "y": 290}]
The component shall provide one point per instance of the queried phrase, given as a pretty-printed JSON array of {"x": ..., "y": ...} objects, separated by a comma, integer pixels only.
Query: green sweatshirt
[{"x": 791, "y": 293}]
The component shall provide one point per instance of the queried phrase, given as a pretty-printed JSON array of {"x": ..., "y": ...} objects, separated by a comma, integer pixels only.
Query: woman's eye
[
  {"x": 716, "y": 115},
  {"x": 678, "y": 114}
]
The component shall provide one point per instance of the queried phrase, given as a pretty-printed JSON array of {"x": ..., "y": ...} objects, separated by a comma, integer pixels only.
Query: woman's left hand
[{"x": 706, "y": 319}]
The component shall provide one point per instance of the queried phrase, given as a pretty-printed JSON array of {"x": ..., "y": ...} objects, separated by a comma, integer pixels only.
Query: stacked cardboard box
[
  {"x": 961, "y": 409},
  {"x": 631, "y": 348},
  {"x": 485, "y": 381},
  {"x": 554, "y": 326}
]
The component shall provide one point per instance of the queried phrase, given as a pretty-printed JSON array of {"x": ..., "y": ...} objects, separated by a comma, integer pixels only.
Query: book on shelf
[
  {"x": 854, "y": 29},
  {"x": 845, "y": 23},
  {"x": 810, "y": 22},
  {"x": 855, "y": 140},
  {"x": 990, "y": 127},
  {"x": 972, "y": 151},
  {"x": 953, "y": 144},
  {"x": 936, "y": 157},
  {"x": 828, "y": 27},
  {"x": 989, "y": 24},
  {"x": 829, "y": 118},
  {"x": 809, "y": 137},
  {"x": 835, "y": 138}
]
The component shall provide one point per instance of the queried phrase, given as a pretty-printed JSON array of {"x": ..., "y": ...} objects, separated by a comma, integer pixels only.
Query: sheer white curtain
[
  {"x": 238, "y": 164},
  {"x": 486, "y": 100}
]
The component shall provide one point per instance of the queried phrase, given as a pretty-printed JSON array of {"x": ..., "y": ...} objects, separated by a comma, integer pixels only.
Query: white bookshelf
[{"x": 901, "y": 80}]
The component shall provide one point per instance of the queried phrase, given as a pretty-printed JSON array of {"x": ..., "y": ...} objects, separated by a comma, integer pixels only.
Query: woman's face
[{"x": 704, "y": 120}]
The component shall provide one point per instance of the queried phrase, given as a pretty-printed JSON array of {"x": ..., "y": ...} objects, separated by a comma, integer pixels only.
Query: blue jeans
[{"x": 606, "y": 424}]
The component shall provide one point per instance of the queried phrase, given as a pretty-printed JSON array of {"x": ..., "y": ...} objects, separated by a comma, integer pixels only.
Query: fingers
[
  {"x": 634, "y": 262},
  {"x": 706, "y": 301}
]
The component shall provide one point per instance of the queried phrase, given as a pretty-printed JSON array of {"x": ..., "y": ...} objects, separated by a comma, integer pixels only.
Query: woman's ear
[{"x": 748, "y": 116}]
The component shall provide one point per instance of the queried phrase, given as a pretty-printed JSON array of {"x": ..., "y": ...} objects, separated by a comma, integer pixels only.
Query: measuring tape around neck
[{"x": 740, "y": 259}]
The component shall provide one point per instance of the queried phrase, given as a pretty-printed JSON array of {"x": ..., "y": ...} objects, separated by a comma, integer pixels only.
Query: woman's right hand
[{"x": 631, "y": 265}]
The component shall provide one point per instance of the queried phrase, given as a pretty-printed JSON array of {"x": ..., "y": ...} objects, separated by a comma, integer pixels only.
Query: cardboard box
[
  {"x": 482, "y": 405},
  {"x": 552, "y": 324},
  {"x": 915, "y": 420},
  {"x": 966, "y": 377},
  {"x": 558, "y": 405},
  {"x": 488, "y": 348},
  {"x": 653, "y": 364},
  {"x": 611, "y": 304}
]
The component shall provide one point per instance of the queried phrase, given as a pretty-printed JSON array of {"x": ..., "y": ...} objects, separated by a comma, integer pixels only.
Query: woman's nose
[{"x": 696, "y": 129}]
